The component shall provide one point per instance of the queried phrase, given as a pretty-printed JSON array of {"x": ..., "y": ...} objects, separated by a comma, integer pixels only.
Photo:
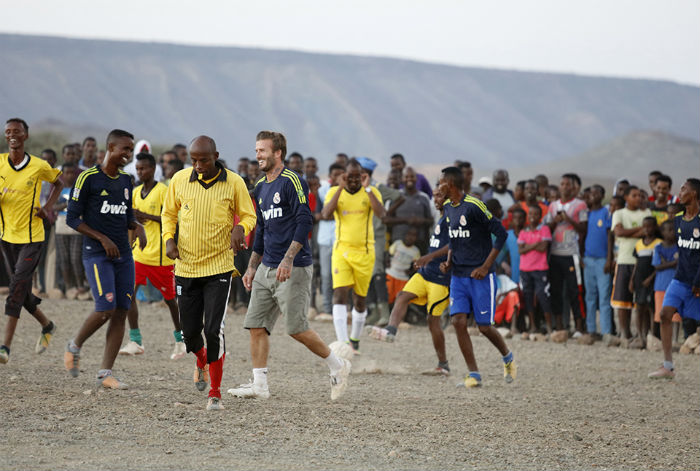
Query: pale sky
[{"x": 622, "y": 38}]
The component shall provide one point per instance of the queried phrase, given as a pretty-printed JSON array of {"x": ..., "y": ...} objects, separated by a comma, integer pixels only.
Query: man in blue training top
[
  {"x": 100, "y": 208},
  {"x": 683, "y": 294},
  {"x": 280, "y": 268},
  {"x": 473, "y": 284}
]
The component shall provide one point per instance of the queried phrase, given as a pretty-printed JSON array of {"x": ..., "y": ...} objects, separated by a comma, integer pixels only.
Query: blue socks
[{"x": 508, "y": 358}]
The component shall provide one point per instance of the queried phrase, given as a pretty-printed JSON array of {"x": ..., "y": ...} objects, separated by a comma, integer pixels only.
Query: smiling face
[
  {"x": 500, "y": 181},
  {"x": 266, "y": 157},
  {"x": 409, "y": 179},
  {"x": 120, "y": 150},
  {"x": 15, "y": 135},
  {"x": 531, "y": 191},
  {"x": 353, "y": 178}
]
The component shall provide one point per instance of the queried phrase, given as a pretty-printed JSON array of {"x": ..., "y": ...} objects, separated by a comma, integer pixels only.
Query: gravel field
[{"x": 571, "y": 407}]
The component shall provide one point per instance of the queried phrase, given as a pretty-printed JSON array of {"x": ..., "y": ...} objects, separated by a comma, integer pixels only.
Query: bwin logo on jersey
[
  {"x": 434, "y": 243},
  {"x": 459, "y": 232},
  {"x": 113, "y": 208},
  {"x": 272, "y": 213},
  {"x": 688, "y": 244}
]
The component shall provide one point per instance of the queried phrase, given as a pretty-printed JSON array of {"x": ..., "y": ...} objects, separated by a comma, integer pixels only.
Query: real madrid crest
[
  {"x": 696, "y": 232},
  {"x": 462, "y": 220},
  {"x": 276, "y": 198},
  {"x": 126, "y": 193},
  {"x": 437, "y": 229}
]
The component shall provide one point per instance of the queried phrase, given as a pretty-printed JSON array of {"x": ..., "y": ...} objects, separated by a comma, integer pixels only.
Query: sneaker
[
  {"x": 339, "y": 381},
  {"x": 472, "y": 382},
  {"x": 437, "y": 371},
  {"x": 179, "y": 351},
  {"x": 110, "y": 382},
  {"x": 131, "y": 348},
  {"x": 214, "y": 403},
  {"x": 662, "y": 373},
  {"x": 4, "y": 355},
  {"x": 586, "y": 339},
  {"x": 611, "y": 340},
  {"x": 510, "y": 371},
  {"x": 576, "y": 335},
  {"x": 342, "y": 350},
  {"x": 201, "y": 377},
  {"x": 44, "y": 339},
  {"x": 251, "y": 390},
  {"x": 381, "y": 334},
  {"x": 71, "y": 360},
  {"x": 637, "y": 343},
  {"x": 355, "y": 345},
  {"x": 525, "y": 336}
]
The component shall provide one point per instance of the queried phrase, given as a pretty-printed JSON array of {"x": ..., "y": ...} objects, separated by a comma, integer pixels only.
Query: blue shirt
[
  {"x": 470, "y": 226},
  {"x": 599, "y": 222},
  {"x": 105, "y": 205},
  {"x": 440, "y": 238},
  {"x": 511, "y": 248},
  {"x": 284, "y": 216},
  {"x": 663, "y": 277},
  {"x": 326, "y": 229},
  {"x": 688, "y": 239}
]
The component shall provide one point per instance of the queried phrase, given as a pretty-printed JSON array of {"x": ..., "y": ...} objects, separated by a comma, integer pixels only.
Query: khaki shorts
[{"x": 270, "y": 298}]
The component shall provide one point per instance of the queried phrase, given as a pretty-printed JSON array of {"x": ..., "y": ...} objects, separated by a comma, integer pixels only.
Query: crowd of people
[{"x": 545, "y": 262}]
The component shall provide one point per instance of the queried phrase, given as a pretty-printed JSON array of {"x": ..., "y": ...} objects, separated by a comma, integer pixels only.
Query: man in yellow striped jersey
[
  {"x": 204, "y": 200},
  {"x": 352, "y": 203},
  {"x": 152, "y": 263}
]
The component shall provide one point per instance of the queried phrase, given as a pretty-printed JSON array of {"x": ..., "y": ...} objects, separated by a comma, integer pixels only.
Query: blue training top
[
  {"x": 283, "y": 216},
  {"x": 688, "y": 237},
  {"x": 440, "y": 238}
]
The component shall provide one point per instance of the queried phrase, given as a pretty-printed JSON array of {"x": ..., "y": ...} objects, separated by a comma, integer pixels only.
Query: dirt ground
[{"x": 571, "y": 407}]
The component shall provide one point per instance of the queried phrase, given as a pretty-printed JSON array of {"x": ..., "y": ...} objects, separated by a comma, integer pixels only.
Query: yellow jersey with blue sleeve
[
  {"x": 353, "y": 218},
  {"x": 151, "y": 203},
  {"x": 19, "y": 198}
]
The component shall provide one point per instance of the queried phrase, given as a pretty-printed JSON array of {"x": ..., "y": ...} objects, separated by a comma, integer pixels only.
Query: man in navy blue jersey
[
  {"x": 683, "y": 294},
  {"x": 470, "y": 257},
  {"x": 280, "y": 268},
  {"x": 100, "y": 208}
]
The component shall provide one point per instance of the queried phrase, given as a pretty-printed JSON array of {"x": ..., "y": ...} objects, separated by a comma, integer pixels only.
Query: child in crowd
[
  {"x": 533, "y": 242},
  {"x": 403, "y": 254},
  {"x": 665, "y": 260},
  {"x": 642, "y": 281},
  {"x": 507, "y": 304},
  {"x": 552, "y": 194}
]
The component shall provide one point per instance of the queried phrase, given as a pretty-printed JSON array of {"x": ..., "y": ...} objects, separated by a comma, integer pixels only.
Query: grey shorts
[{"x": 270, "y": 298}]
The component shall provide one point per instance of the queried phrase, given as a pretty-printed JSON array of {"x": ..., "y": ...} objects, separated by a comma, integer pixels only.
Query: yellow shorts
[
  {"x": 436, "y": 296},
  {"x": 352, "y": 267}
]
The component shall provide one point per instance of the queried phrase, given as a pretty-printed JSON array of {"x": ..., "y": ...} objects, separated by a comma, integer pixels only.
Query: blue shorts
[
  {"x": 680, "y": 296},
  {"x": 471, "y": 295},
  {"x": 111, "y": 281}
]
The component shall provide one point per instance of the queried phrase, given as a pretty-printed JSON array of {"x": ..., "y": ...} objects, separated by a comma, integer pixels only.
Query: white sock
[
  {"x": 260, "y": 376},
  {"x": 333, "y": 363},
  {"x": 358, "y": 323},
  {"x": 340, "y": 321}
]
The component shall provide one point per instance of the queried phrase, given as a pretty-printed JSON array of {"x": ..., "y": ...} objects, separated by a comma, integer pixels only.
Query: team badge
[
  {"x": 437, "y": 229},
  {"x": 462, "y": 220},
  {"x": 600, "y": 223},
  {"x": 276, "y": 198},
  {"x": 76, "y": 193},
  {"x": 696, "y": 232},
  {"x": 109, "y": 297},
  {"x": 126, "y": 193}
]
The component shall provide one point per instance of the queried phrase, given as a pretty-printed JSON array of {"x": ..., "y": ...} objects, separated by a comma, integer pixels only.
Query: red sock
[
  {"x": 201, "y": 357},
  {"x": 216, "y": 371}
]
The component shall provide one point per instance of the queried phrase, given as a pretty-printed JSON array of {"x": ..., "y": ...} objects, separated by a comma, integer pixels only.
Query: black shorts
[
  {"x": 536, "y": 285},
  {"x": 622, "y": 297},
  {"x": 644, "y": 295},
  {"x": 20, "y": 262}
]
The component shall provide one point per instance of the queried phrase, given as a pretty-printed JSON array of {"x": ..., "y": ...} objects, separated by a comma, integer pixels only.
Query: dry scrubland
[{"x": 571, "y": 407}]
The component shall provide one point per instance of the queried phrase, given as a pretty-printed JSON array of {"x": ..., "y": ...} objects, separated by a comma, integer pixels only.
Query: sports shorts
[
  {"x": 471, "y": 295},
  {"x": 432, "y": 295},
  {"x": 352, "y": 267},
  {"x": 161, "y": 276},
  {"x": 622, "y": 297},
  {"x": 680, "y": 295},
  {"x": 111, "y": 280}
]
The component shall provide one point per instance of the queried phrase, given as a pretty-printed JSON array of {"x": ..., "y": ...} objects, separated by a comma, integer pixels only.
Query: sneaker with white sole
[
  {"x": 662, "y": 373},
  {"x": 214, "y": 403},
  {"x": 109, "y": 381},
  {"x": 339, "y": 381},
  {"x": 179, "y": 351},
  {"x": 380, "y": 333},
  {"x": 44, "y": 339},
  {"x": 251, "y": 390},
  {"x": 131, "y": 348}
]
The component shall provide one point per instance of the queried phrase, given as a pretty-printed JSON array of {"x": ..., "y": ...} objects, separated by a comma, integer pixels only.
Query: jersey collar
[
  {"x": 194, "y": 176},
  {"x": 22, "y": 164}
]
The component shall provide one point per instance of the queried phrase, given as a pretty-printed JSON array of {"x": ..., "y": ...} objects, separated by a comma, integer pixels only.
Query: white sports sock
[
  {"x": 340, "y": 321},
  {"x": 334, "y": 363},
  {"x": 260, "y": 376},
  {"x": 358, "y": 323}
]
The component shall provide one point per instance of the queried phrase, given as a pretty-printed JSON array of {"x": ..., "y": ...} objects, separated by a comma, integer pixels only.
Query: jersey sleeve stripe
[
  {"x": 480, "y": 204},
  {"x": 259, "y": 181},
  {"x": 297, "y": 184},
  {"x": 83, "y": 176}
]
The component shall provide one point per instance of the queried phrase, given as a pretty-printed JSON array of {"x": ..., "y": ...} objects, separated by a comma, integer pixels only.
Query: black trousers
[
  {"x": 202, "y": 303},
  {"x": 20, "y": 262},
  {"x": 562, "y": 273}
]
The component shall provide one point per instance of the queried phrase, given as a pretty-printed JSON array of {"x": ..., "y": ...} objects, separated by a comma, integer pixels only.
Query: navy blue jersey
[
  {"x": 283, "y": 216},
  {"x": 470, "y": 226},
  {"x": 104, "y": 204},
  {"x": 440, "y": 238},
  {"x": 688, "y": 233}
]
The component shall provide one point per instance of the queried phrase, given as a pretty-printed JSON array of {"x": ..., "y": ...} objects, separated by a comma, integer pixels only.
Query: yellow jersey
[
  {"x": 353, "y": 218},
  {"x": 19, "y": 198},
  {"x": 152, "y": 203},
  {"x": 206, "y": 213}
]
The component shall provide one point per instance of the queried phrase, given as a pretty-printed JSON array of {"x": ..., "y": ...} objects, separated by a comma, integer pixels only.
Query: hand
[
  {"x": 140, "y": 216},
  {"x": 480, "y": 273},
  {"x": 284, "y": 270},
  {"x": 171, "y": 249},
  {"x": 110, "y": 248},
  {"x": 696, "y": 291},
  {"x": 342, "y": 181},
  {"x": 421, "y": 262},
  {"x": 445, "y": 266},
  {"x": 631, "y": 286},
  {"x": 238, "y": 239},
  {"x": 607, "y": 267},
  {"x": 248, "y": 278},
  {"x": 140, "y": 233},
  {"x": 42, "y": 213},
  {"x": 646, "y": 282},
  {"x": 365, "y": 180}
]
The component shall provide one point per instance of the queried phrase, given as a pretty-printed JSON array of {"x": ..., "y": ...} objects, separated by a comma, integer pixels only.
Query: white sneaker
[
  {"x": 577, "y": 335},
  {"x": 339, "y": 381},
  {"x": 131, "y": 348},
  {"x": 179, "y": 351},
  {"x": 250, "y": 390},
  {"x": 342, "y": 350}
]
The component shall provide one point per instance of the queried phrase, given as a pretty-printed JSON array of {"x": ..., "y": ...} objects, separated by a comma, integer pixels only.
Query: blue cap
[{"x": 367, "y": 163}]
